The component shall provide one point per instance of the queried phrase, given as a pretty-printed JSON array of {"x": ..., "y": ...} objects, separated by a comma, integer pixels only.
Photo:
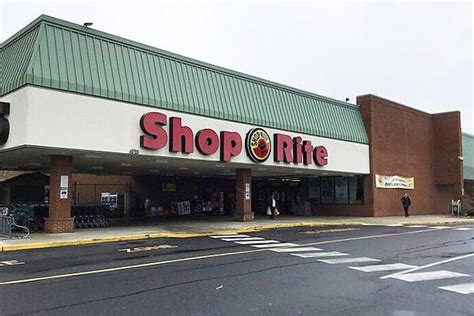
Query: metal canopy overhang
[
  {"x": 55, "y": 54},
  {"x": 29, "y": 158}
]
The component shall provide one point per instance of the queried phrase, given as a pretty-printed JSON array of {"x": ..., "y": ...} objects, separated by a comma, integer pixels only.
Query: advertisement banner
[{"x": 394, "y": 182}]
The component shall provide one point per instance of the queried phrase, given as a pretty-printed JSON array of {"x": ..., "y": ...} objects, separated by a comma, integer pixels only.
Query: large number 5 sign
[{"x": 4, "y": 124}]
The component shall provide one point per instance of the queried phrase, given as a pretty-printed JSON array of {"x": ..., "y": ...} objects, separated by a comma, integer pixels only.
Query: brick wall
[
  {"x": 243, "y": 207},
  {"x": 411, "y": 143},
  {"x": 87, "y": 188},
  {"x": 59, "y": 220}
]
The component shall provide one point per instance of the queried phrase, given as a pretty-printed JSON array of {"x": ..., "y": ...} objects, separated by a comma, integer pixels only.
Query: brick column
[
  {"x": 243, "y": 195},
  {"x": 59, "y": 220}
]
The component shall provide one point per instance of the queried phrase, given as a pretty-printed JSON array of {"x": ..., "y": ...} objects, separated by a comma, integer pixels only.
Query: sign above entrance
[{"x": 258, "y": 143}]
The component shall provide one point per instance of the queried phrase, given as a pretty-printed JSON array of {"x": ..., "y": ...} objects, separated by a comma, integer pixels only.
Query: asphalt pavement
[{"x": 299, "y": 271}]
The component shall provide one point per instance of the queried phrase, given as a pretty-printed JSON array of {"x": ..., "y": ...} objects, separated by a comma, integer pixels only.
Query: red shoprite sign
[{"x": 258, "y": 143}]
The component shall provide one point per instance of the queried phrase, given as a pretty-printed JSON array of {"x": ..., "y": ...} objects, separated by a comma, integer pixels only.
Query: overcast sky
[{"x": 418, "y": 54}]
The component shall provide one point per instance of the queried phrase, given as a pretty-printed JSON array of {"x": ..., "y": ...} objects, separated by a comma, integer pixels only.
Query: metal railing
[
  {"x": 6, "y": 224},
  {"x": 456, "y": 207}
]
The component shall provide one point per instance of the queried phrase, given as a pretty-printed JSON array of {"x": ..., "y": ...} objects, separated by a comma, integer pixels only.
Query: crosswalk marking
[
  {"x": 256, "y": 242},
  {"x": 463, "y": 228},
  {"x": 383, "y": 267},
  {"x": 320, "y": 254},
  {"x": 297, "y": 249},
  {"x": 349, "y": 260},
  {"x": 428, "y": 276},
  {"x": 275, "y": 245},
  {"x": 230, "y": 236},
  {"x": 466, "y": 288},
  {"x": 242, "y": 239}
]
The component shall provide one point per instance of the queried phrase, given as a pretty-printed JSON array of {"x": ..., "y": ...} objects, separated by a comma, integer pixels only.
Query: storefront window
[
  {"x": 336, "y": 190},
  {"x": 341, "y": 190},
  {"x": 327, "y": 190},
  {"x": 314, "y": 189},
  {"x": 356, "y": 190}
]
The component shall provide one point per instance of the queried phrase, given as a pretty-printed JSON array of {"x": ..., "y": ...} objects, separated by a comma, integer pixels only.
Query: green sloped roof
[
  {"x": 57, "y": 54},
  {"x": 468, "y": 155}
]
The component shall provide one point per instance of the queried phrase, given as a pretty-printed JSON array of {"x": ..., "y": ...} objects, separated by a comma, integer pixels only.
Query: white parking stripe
[
  {"x": 416, "y": 226},
  {"x": 349, "y": 260},
  {"x": 242, "y": 239},
  {"x": 319, "y": 254},
  {"x": 428, "y": 276},
  {"x": 394, "y": 225},
  {"x": 467, "y": 288},
  {"x": 296, "y": 249},
  {"x": 275, "y": 245},
  {"x": 255, "y": 242},
  {"x": 463, "y": 228},
  {"x": 229, "y": 236},
  {"x": 440, "y": 227},
  {"x": 383, "y": 267}
]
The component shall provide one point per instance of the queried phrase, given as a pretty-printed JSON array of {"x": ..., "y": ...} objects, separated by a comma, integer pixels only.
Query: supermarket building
[{"x": 98, "y": 113}]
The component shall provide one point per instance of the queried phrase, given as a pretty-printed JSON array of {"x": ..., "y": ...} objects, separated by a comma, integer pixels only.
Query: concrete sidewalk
[{"x": 211, "y": 226}]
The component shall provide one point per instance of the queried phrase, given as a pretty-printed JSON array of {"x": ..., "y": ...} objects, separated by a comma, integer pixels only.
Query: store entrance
[
  {"x": 183, "y": 197},
  {"x": 290, "y": 195}
]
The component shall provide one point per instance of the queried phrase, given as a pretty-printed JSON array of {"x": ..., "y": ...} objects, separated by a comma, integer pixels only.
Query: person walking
[
  {"x": 272, "y": 207},
  {"x": 406, "y": 202}
]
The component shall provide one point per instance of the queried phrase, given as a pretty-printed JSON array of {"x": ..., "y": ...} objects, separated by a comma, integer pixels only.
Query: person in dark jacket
[
  {"x": 406, "y": 202},
  {"x": 272, "y": 206}
]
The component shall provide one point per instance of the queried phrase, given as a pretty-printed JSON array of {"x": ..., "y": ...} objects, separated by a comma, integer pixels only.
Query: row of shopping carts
[{"x": 89, "y": 216}]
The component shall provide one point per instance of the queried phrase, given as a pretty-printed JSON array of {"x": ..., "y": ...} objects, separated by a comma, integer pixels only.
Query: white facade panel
[{"x": 49, "y": 118}]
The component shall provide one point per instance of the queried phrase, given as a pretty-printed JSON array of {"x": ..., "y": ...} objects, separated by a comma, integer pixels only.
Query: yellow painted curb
[
  {"x": 456, "y": 222},
  {"x": 53, "y": 244}
]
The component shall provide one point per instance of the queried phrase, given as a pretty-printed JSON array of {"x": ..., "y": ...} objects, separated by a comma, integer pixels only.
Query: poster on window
[
  {"x": 327, "y": 190},
  {"x": 314, "y": 189},
  {"x": 341, "y": 188},
  {"x": 184, "y": 208}
]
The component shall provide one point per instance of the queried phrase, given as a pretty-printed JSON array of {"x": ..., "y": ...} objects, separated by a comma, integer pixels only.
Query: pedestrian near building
[
  {"x": 272, "y": 209},
  {"x": 406, "y": 202}
]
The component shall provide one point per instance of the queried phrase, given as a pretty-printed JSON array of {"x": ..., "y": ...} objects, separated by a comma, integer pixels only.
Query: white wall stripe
[
  {"x": 383, "y": 267},
  {"x": 320, "y": 254},
  {"x": 229, "y": 236},
  {"x": 275, "y": 245},
  {"x": 242, "y": 239},
  {"x": 466, "y": 288},
  {"x": 428, "y": 276},
  {"x": 297, "y": 249},
  {"x": 256, "y": 242},
  {"x": 349, "y": 260}
]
